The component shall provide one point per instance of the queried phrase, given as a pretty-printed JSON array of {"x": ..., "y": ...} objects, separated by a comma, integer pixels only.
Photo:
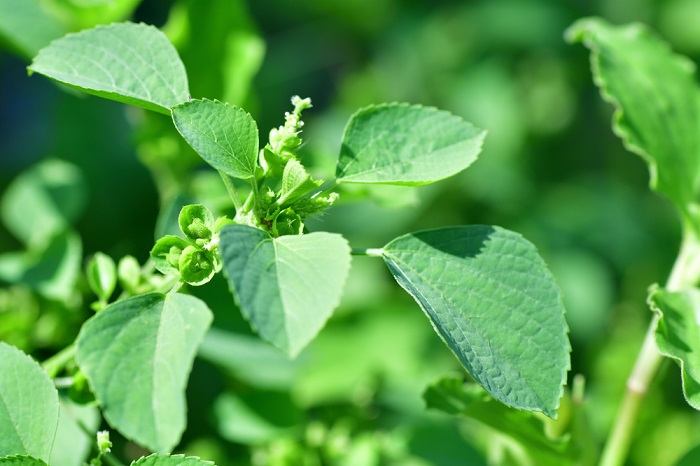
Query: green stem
[
  {"x": 231, "y": 188},
  {"x": 58, "y": 361},
  {"x": 372, "y": 252},
  {"x": 685, "y": 273}
]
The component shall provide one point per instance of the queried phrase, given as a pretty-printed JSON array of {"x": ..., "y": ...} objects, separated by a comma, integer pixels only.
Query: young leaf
[
  {"x": 137, "y": 355},
  {"x": 491, "y": 298},
  {"x": 126, "y": 62},
  {"x": 287, "y": 287},
  {"x": 172, "y": 460},
  {"x": 19, "y": 460},
  {"x": 296, "y": 182},
  {"x": 43, "y": 201},
  {"x": 28, "y": 406},
  {"x": 406, "y": 145},
  {"x": 678, "y": 335},
  {"x": 226, "y": 137},
  {"x": 656, "y": 100}
]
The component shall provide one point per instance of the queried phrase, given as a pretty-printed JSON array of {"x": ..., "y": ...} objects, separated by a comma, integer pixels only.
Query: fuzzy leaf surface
[
  {"x": 406, "y": 145},
  {"x": 225, "y": 136},
  {"x": 287, "y": 287},
  {"x": 491, "y": 298},
  {"x": 137, "y": 355},
  {"x": 28, "y": 406},
  {"x": 20, "y": 460},
  {"x": 656, "y": 100},
  {"x": 130, "y": 63}
]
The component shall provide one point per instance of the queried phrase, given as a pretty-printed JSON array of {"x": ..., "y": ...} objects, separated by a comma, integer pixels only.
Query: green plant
[{"x": 485, "y": 290}]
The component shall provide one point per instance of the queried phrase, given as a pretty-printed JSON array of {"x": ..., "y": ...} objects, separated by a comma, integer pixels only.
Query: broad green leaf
[
  {"x": 256, "y": 417},
  {"x": 678, "y": 335},
  {"x": 492, "y": 299},
  {"x": 656, "y": 100},
  {"x": 453, "y": 396},
  {"x": 43, "y": 201},
  {"x": 72, "y": 444},
  {"x": 172, "y": 460},
  {"x": 27, "y": 26},
  {"x": 406, "y": 145},
  {"x": 287, "y": 287},
  {"x": 126, "y": 62},
  {"x": 226, "y": 137},
  {"x": 28, "y": 406},
  {"x": 19, "y": 460},
  {"x": 137, "y": 355}
]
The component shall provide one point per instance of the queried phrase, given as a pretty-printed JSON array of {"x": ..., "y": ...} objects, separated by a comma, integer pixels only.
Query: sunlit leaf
[
  {"x": 137, "y": 355},
  {"x": 287, "y": 287},
  {"x": 656, "y": 99},
  {"x": 126, "y": 62},
  {"x": 406, "y": 144},
  {"x": 28, "y": 26},
  {"x": 28, "y": 406},
  {"x": 492, "y": 299},
  {"x": 226, "y": 137},
  {"x": 173, "y": 460}
]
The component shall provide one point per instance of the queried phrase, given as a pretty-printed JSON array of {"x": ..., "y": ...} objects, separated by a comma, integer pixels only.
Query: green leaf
[
  {"x": 453, "y": 396},
  {"x": 43, "y": 201},
  {"x": 54, "y": 270},
  {"x": 137, "y": 355},
  {"x": 72, "y": 444},
  {"x": 678, "y": 335},
  {"x": 172, "y": 460},
  {"x": 491, "y": 298},
  {"x": 656, "y": 100},
  {"x": 28, "y": 406},
  {"x": 226, "y": 137},
  {"x": 102, "y": 275},
  {"x": 296, "y": 182},
  {"x": 19, "y": 460},
  {"x": 287, "y": 287},
  {"x": 28, "y": 26},
  {"x": 406, "y": 145},
  {"x": 126, "y": 62}
]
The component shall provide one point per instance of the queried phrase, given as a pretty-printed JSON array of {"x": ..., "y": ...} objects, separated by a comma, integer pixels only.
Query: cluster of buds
[{"x": 195, "y": 257}]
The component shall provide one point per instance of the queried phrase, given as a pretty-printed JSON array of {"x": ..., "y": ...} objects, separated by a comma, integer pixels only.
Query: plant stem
[
  {"x": 55, "y": 363},
  {"x": 373, "y": 252},
  {"x": 685, "y": 273},
  {"x": 231, "y": 188}
]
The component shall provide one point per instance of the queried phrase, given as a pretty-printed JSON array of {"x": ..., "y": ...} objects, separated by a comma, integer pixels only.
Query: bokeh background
[{"x": 551, "y": 169}]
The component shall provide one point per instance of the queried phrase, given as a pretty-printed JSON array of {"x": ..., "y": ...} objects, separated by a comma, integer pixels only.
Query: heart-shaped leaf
[
  {"x": 137, "y": 355},
  {"x": 131, "y": 63},
  {"x": 491, "y": 298},
  {"x": 28, "y": 406},
  {"x": 406, "y": 145},
  {"x": 226, "y": 137},
  {"x": 287, "y": 287}
]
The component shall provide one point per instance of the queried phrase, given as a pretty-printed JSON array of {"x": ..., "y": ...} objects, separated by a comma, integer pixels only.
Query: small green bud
[
  {"x": 196, "y": 221},
  {"x": 129, "y": 272},
  {"x": 101, "y": 276},
  {"x": 197, "y": 266},
  {"x": 287, "y": 222},
  {"x": 166, "y": 253},
  {"x": 104, "y": 444}
]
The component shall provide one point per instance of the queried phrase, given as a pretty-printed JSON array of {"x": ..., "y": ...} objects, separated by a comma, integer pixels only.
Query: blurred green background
[{"x": 551, "y": 169}]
